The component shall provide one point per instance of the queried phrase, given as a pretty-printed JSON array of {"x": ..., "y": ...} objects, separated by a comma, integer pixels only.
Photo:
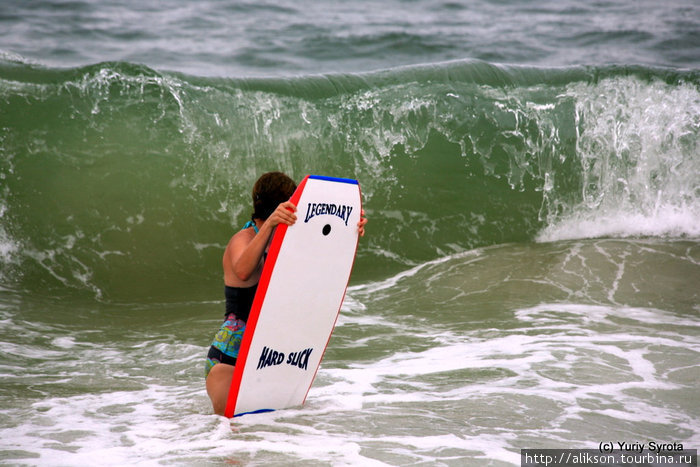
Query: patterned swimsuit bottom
[{"x": 227, "y": 343}]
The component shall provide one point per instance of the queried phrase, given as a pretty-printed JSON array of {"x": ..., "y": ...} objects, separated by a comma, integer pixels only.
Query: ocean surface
[{"x": 530, "y": 277}]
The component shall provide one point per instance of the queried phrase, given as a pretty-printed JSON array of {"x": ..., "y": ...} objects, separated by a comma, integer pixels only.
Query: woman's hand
[
  {"x": 361, "y": 224},
  {"x": 284, "y": 214}
]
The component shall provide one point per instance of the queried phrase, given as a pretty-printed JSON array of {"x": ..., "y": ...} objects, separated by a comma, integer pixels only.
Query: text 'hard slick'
[{"x": 270, "y": 357}]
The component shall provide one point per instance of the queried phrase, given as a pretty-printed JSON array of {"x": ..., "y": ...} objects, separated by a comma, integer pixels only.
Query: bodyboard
[{"x": 298, "y": 299}]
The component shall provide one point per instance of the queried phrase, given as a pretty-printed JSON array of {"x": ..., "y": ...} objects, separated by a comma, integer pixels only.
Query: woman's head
[{"x": 269, "y": 191}]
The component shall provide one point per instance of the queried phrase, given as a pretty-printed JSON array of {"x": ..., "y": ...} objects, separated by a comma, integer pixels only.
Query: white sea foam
[
  {"x": 668, "y": 221},
  {"x": 8, "y": 247},
  {"x": 637, "y": 150}
]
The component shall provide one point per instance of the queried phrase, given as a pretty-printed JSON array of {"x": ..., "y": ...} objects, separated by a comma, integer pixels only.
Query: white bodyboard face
[{"x": 302, "y": 299}]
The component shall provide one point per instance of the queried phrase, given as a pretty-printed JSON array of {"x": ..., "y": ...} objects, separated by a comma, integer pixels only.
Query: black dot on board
[{"x": 326, "y": 229}]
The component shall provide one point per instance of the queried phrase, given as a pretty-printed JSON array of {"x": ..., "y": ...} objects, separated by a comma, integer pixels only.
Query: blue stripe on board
[
  {"x": 334, "y": 179},
  {"x": 254, "y": 411}
]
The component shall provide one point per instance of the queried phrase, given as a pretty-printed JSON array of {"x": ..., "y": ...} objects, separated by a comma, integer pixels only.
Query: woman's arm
[{"x": 247, "y": 252}]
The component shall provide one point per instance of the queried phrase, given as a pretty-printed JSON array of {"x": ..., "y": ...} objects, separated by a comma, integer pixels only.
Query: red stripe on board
[{"x": 272, "y": 254}]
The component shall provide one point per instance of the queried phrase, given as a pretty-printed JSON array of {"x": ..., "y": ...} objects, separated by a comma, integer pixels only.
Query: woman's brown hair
[{"x": 271, "y": 189}]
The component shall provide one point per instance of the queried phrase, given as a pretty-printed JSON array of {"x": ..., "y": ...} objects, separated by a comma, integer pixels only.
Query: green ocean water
[
  {"x": 124, "y": 183},
  {"x": 529, "y": 277}
]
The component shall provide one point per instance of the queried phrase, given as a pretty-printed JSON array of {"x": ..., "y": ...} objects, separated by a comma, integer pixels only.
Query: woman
[{"x": 242, "y": 263}]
